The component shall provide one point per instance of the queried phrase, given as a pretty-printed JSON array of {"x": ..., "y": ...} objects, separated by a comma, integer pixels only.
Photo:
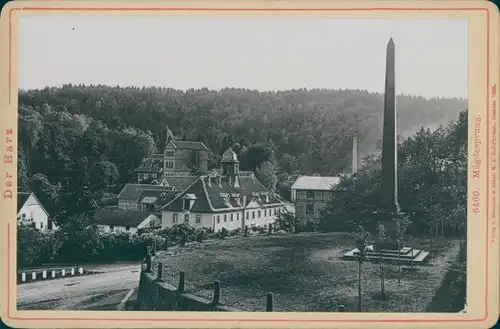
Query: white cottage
[{"x": 31, "y": 212}]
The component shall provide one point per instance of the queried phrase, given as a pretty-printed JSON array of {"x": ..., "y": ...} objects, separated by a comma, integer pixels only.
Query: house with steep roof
[
  {"x": 150, "y": 169},
  {"x": 228, "y": 200},
  {"x": 311, "y": 194},
  {"x": 153, "y": 200},
  {"x": 128, "y": 198},
  {"x": 113, "y": 219},
  {"x": 30, "y": 211}
]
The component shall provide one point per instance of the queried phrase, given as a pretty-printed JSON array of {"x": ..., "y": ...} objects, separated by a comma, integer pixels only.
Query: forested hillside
[{"x": 87, "y": 139}]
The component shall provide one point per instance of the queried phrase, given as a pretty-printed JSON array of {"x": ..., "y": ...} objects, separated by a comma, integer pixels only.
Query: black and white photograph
[{"x": 242, "y": 164}]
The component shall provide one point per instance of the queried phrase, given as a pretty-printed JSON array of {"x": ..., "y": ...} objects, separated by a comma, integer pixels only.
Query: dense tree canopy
[{"x": 75, "y": 142}]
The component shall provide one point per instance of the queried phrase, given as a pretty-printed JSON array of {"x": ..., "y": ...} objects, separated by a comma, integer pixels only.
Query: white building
[
  {"x": 229, "y": 200},
  {"x": 31, "y": 212},
  {"x": 115, "y": 219}
]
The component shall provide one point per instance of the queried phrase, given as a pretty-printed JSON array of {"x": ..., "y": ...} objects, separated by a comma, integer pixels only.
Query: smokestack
[{"x": 354, "y": 154}]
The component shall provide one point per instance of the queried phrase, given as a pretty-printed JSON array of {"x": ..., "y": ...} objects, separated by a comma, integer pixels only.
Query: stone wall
[{"x": 155, "y": 295}]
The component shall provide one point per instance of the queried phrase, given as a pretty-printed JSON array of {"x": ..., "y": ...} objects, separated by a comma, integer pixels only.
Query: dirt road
[{"x": 103, "y": 291}]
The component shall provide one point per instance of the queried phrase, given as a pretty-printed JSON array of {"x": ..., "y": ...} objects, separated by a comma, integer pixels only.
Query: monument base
[
  {"x": 389, "y": 251},
  {"x": 407, "y": 255}
]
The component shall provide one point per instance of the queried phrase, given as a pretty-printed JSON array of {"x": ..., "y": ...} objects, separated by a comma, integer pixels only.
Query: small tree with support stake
[{"x": 362, "y": 240}]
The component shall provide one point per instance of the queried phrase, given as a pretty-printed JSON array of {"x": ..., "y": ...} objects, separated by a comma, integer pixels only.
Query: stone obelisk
[{"x": 389, "y": 193}]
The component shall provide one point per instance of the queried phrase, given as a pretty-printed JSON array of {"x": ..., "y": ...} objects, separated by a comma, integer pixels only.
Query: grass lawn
[{"x": 305, "y": 272}]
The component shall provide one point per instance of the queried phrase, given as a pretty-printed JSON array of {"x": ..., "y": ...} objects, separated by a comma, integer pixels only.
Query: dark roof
[
  {"x": 119, "y": 217},
  {"x": 133, "y": 191},
  {"x": 22, "y": 197},
  {"x": 210, "y": 197},
  {"x": 179, "y": 182},
  {"x": 149, "y": 165},
  {"x": 162, "y": 197},
  {"x": 189, "y": 145}
]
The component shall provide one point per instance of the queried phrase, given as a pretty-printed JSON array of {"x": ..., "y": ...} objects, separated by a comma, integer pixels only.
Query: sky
[{"x": 254, "y": 53}]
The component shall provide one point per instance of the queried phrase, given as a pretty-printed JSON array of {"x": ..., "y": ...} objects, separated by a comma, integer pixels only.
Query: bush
[{"x": 35, "y": 247}]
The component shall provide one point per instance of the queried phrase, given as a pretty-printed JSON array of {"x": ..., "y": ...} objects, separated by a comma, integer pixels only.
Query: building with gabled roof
[
  {"x": 153, "y": 200},
  {"x": 31, "y": 212},
  {"x": 228, "y": 200},
  {"x": 128, "y": 197},
  {"x": 151, "y": 168},
  {"x": 311, "y": 194},
  {"x": 179, "y": 158}
]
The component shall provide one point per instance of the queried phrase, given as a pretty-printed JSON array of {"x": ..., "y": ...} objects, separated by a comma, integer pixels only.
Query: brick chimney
[{"x": 354, "y": 154}]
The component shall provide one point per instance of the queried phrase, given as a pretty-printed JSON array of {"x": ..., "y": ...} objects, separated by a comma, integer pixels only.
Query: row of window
[
  {"x": 267, "y": 212},
  {"x": 169, "y": 164},
  {"x": 175, "y": 218},
  {"x": 169, "y": 153},
  {"x": 225, "y": 216}
]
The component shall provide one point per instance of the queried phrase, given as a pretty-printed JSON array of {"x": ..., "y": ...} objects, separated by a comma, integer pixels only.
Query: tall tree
[{"x": 266, "y": 174}]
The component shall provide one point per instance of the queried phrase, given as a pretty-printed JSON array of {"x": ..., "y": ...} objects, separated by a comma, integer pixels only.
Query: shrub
[{"x": 35, "y": 247}]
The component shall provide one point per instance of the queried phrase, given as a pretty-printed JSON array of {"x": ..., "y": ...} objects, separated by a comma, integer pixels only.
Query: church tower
[{"x": 230, "y": 167}]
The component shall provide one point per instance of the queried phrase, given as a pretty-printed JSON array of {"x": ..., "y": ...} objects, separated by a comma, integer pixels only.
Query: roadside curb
[
  {"x": 123, "y": 302},
  {"x": 26, "y": 276}
]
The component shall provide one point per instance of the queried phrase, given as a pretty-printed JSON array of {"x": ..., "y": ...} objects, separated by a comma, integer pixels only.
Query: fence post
[
  {"x": 246, "y": 230},
  {"x": 159, "y": 274},
  {"x": 270, "y": 229},
  {"x": 341, "y": 308},
  {"x": 148, "y": 260},
  {"x": 216, "y": 298},
  {"x": 183, "y": 239},
  {"x": 269, "y": 303},
  {"x": 166, "y": 243},
  {"x": 153, "y": 248},
  {"x": 180, "y": 287}
]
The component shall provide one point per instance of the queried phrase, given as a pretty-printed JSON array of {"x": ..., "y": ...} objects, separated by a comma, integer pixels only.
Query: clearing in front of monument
[{"x": 305, "y": 273}]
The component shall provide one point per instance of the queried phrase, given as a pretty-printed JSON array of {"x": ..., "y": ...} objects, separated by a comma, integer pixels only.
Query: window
[
  {"x": 309, "y": 194},
  {"x": 274, "y": 211},
  {"x": 187, "y": 204},
  {"x": 174, "y": 220},
  {"x": 111, "y": 227},
  {"x": 248, "y": 214},
  {"x": 258, "y": 213},
  {"x": 198, "y": 219},
  {"x": 218, "y": 218},
  {"x": 41, "y": 224},
  {"x": 186, "y": 218},
  {"x": 169, "y": 153},
  {"x": 127, "y": 228},
  {"x": 309, "y": 209},
  {"x": 169, "y": 164},
  {"x": 232, "y": 219},
  {"x": 253, "y": 214},
  {"x": 238, "y": 216},
  {"x": 225, "y": 217}
]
